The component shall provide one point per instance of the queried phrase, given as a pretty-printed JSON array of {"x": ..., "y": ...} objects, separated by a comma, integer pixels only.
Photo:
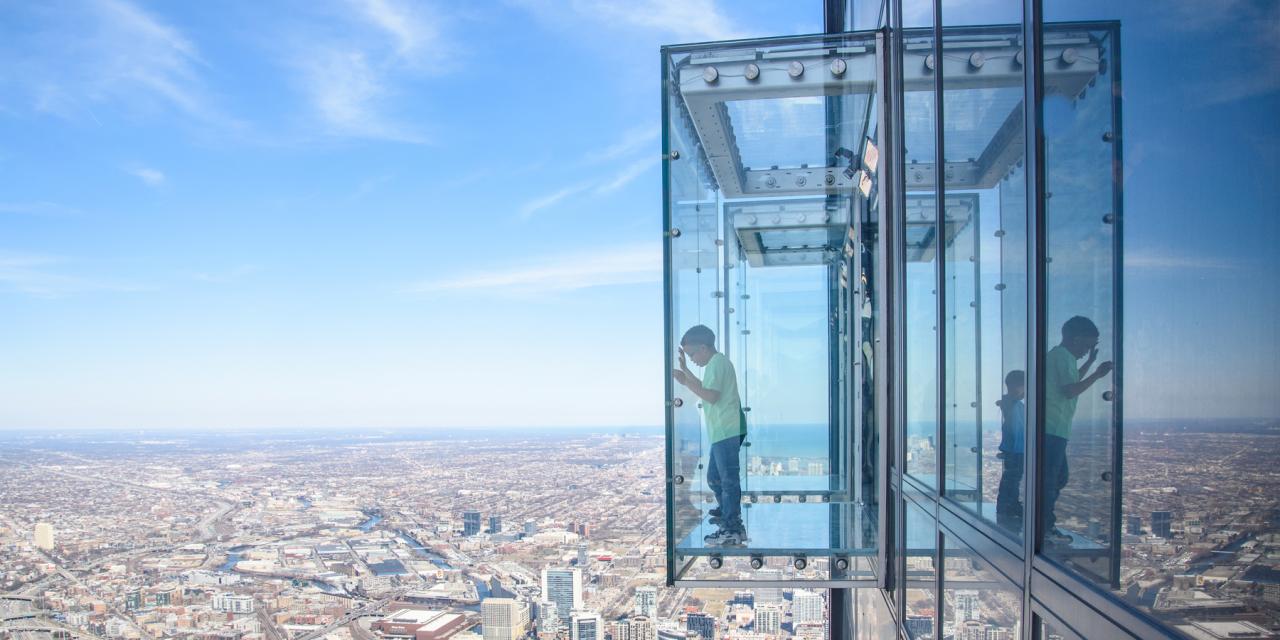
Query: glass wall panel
[
  {"x": 776, "y": 134},
  {"x": 978, "y": 602},
  {"x": 1078, "y": 423},
  {"x": 985, "y": 262},
  {"x": 1194, "y": 389},
  {"x": 872, "y": 618},
  {"x": 920, "y": 243},
  {"x": 920, "y": 601}
]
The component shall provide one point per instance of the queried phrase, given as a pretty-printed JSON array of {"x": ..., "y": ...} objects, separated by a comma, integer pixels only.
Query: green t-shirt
[
  {"x": 724, "y": 419},
  {"x": 1060, "y": 369}
]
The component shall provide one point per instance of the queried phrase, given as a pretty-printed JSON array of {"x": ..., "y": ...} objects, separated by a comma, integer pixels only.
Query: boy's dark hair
[
  {"x": 699, "y": 334},
  {"x": 1016, "y": 378},
  {"x": 1079, "y": 327}
]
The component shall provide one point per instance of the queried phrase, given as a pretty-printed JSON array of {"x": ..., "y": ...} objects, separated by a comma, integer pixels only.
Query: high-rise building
[
  {"x": 495, "y": 524},
  {"x": 967, "y": 606},
  {"x": 548, "y": 616},
  {"x": 1134, "y": 525},
  {"x": 530, "y": 528},
  {"x": 807, "y": 607},
  {"x": 43, "y": 536},
  {"x": 582, "y": 555},
  {"x": 470, "y": 523},
  {"x": 646, "y": 601},
  {"x": 769, "y": 619},
  {"x": 769, "y": 594},
  {"x": 504, "y": 618},
  {"x": 586, "y": 625},
  {"x": 705, "y": 625},
  {"x": 563, "y": 586},
  {"x": 1162, "y": 524},
  {"x": 641, "y": 628}
]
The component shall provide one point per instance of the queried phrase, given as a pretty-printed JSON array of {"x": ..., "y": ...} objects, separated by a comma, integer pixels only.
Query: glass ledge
[
  {"x": 785, "y": 486},
  {"x": 790, "y": 529}
]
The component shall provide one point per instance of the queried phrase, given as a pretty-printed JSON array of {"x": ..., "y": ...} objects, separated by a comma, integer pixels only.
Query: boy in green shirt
[
  {"x": 726, "y": 427},
  {"x": 1063, "y": 384}
]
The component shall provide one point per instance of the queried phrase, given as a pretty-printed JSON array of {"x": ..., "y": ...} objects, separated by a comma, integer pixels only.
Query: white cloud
[
  {"x": 628, "y": 264},
  {"x": 109, "y": 52},
  {"x": 38, "y": 208},
  {"x": 351, "y": 80},
  {"x": 538, "y": 204},
  {"x": 152, "y": 177},
  {"x": 686, "y": 20},
  {"x": 626, "y": 175},
  {"x": 37, "y": 275},
  {"x": 635, "y": 140}
]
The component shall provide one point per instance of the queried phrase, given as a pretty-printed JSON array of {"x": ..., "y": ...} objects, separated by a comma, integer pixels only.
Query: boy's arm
[
  {"x": 695, "y": 385},
  {"x": 1075, "y": 389}
]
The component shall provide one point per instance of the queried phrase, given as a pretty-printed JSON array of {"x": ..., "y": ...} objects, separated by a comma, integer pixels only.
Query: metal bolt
[
  {"x": 795, "y": 69},
  {"x": 1107, "y": 136},
  {"x": 929, "y": 62},
  {"x": 674, "y": 155},
  {"x": 751, "y": 71},
  {"x": 678, "y": 402},
  {"x": 1069, "y": 55},
  {"x": 678, "y": 479},
  {"x": 976, "y": 60},
  {"x": 710, "y": 75},
  {"x": 800, "y": 181},
  {"x": 800, "y": 563},
  {"x": 716, "y": 562},
  {"x": 675, "y": 233},
  {"x": 838, "y": 67},
  {"x": 1109, "y": 218}
]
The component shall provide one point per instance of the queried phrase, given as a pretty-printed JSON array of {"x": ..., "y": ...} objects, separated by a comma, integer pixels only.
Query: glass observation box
[
  {"x": 770, "y": 187},
  {"x": 788, "y": 206}
]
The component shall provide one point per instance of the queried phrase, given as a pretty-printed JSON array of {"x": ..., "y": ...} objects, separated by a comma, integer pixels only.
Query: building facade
[
  {"x": 504, "y": 618},
  {"x": 563, "y": 586},
  {"x": 960, "y": 276}
]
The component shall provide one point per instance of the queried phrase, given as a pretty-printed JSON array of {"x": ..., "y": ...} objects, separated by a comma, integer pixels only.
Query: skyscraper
[
  {"x": 582, "y": 555},
  {"x": 1162, "y": 524},
  {"x": 585, "y": 625},
  {"x": 470, "y": 523},
  {"x": 548, "y": 616},
  {"x": 642, "y": 628},
  {"x": 1134, "y": 525},
  {"x": 43, "y": 536},
  {"x": 967, "y": 607},
  {"x": 495, "y": 524},
  {"x": 563, "y": 586},
  {"x": 504, "y": 618},
  {"x": 646, "y": 601},
  {"x": 769, "y": 619},
  {"x": 702, "y": 624},
  {"x": 530, "y": 528},
  {"x": 806, "y": 607}
]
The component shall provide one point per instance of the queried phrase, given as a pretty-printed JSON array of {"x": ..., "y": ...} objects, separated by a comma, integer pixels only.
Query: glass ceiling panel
[
  {"x": 973, "y": 116},
  {"x": 787, "y": 132}
]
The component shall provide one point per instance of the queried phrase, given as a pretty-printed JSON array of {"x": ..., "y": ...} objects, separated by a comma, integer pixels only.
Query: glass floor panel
[
  {"x": 757, "y": 486},
  {"x": 784, "y": 529}
]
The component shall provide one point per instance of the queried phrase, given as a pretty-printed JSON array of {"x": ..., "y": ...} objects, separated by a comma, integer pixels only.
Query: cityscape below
[{"x": 503, "y": 535}]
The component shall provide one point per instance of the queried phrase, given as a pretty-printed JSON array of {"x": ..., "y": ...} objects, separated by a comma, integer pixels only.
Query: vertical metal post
[
  {"x": 1033, "y": 100},
  {"x": 1117, "y": 307},
  {"x": 667, "y": 301},
  {"x": 940, "y": 271}
]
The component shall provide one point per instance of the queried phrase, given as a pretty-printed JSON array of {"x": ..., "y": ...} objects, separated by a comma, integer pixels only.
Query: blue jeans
[
  {"x": 723, "y": 478},
  {"x": 1007, "y": 503},
  {"x": 1055, "y": 477}
]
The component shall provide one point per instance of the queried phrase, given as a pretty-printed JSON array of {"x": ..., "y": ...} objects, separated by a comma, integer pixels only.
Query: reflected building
[{"x": 909, "y": 236}]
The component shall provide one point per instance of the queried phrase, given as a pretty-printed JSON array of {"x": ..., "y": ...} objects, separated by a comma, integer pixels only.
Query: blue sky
[
  {"x": 388, "y": 213},
  {"x": 337, "y": 213}
]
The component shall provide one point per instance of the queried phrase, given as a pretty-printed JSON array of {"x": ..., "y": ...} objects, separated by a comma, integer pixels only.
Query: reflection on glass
[
  {"x": 920, "y": 575},
  {"x": 921, "y": 245},
  {"x": 1078, "y": 424},
  {"x": 985, "y": 261},
  {"x": 978, "y": 602}
]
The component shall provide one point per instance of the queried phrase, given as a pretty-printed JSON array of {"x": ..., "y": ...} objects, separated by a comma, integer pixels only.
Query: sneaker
[
  {"x": 1058, "y": 536},
  {"x": 715, "y": 512},
  {"x": 724, "y": 538},
  {"x": 713, "y": 536}
]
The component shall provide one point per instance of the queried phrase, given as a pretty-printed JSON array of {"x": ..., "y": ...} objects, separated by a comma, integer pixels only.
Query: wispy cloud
[
  {"x": 623, "y": 265},
  {"x": 37, "y": 208},
  {"x": 151, "y": 177},
  {"x": 39, "y": 276},
  {"x": 350, "y": 81},
  {"x": 109, "y": 52},
  {"x": 1162, "y": 261},
  {"x": 686, "y": 20},
  {"x": 633, "y": 141},
  {"x": 626, "y": 175},
  {"x": 538, "y": 204}
]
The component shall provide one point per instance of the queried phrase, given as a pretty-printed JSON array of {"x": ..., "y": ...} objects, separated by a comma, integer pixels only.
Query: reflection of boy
[
  {"x": 725, "y": 424},
  {"x": 1013, "y": 437},
  {"x": 1063, "y": 385}
]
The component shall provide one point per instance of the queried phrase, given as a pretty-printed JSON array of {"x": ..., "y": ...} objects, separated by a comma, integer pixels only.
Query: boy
[
  {"x": 726, "y": 427},
  {"x": 1063, "y": 384},
  {"x": 1013, "y": 425}
]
